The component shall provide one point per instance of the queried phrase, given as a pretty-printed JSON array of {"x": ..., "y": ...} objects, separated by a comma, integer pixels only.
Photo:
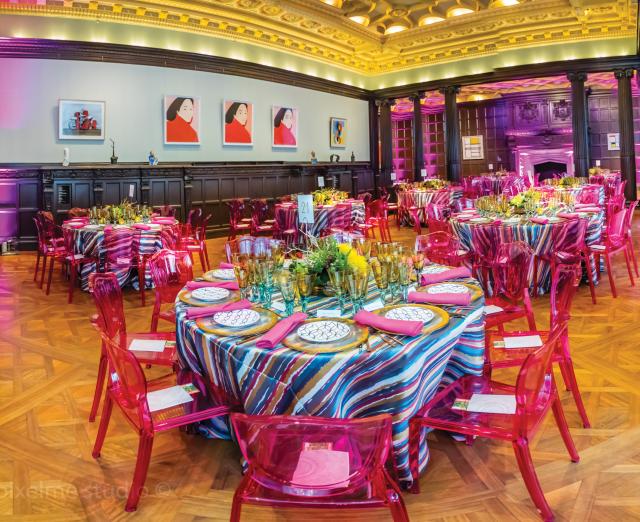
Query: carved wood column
[
  {"x": 374, "y": 142},
  {"x": 625, "y": 120},
  {"x": 580, "y": 124},
  {"x": 453, "y": 154},
  {"x": 418, "y": 139},
  {"x": 386, "y": 144}
]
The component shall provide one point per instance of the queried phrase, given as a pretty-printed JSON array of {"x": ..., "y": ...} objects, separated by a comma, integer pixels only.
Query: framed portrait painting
[
  {"x": 181, "y": 120},
  {"x": 338, "y": 133},
  {"x": 284, "y": 124},
  {"x": 237, "y": 122},
  {"x": 80, "y": 120}
]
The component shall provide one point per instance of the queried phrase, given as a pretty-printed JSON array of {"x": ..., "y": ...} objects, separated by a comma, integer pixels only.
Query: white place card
[
  {"x": 320, "y": 467},
  {"x": 523, "y": 341},
  {"x": 132, "y": 191},
  {"x": 489, "y": 403},
  {"x": 423, "y": 173},
  {"x": 320, "y": 181},
  {"x": 393, "y": 176},
  {"x": 167, "y": 398},
  {"x": 329, "y": 312},
  {"x": 376, "y": 304},
  {"x": 147, "y": 345},
  {"x": 492, "y": 309},
  {"x": 305, "y": 208}
]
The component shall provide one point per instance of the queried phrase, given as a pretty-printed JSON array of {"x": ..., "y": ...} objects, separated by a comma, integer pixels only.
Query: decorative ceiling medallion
[{"x": 331, "y": 33}]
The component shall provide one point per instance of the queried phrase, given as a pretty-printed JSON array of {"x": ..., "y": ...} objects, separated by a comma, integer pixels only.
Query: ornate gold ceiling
[{"x": 366, "y": 36}]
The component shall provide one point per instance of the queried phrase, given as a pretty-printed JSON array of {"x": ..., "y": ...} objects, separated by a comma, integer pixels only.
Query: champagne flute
[
  {"x": 381, "y": 276},
  {"x": 338, "y": 283},
  {"x": 287, "y": 289},
  {"x": 304, "y": 283},
  {"x": 418, "y": 264},
  {"x": 404, "y": 278}
]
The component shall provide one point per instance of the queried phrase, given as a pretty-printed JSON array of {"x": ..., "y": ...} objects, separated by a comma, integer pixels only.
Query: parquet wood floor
[{"x": 48, "y": 362}]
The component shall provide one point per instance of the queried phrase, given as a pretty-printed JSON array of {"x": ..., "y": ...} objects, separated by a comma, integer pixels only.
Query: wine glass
[
  {"x": 287, "y": 289},
  {"x": 418, "y": 264},
  {"x": 304, "y": 283},
  {"x": 243, "y": 277},
  {"x": 404, "y": 278},
  {"x": 338, "y": 283},
  {"x": 357, "y": 282},
  {"x": 362, "y": 246},
  {"x": 381, "y": 276}
]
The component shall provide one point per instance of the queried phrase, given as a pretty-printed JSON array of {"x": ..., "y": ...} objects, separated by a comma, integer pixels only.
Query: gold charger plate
[
  {"x": 208, "y": 276},
  {"x": 267, "y": 320},
  {"x": 185, "y": 296},
  {"x": 357, "y": 336},
  {"x": 439, "y": 321},
  {"x": 476, "y": 291}
]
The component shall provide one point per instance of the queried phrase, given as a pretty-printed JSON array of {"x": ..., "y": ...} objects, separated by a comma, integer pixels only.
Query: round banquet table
[
  {"x": 396, "y": 379},
  {"x": 537, "y": 236},
  {"x": 575, "y": 191},
  {"x": 421, "y": 197},
  {"x": 324, "y": 216},
  {"x": 89, "y": 241}
]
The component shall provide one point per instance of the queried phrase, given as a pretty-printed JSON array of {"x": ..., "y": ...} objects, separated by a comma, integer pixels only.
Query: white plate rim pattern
[
  {"x": 252, "y": 313},
  {"x": 315, "y": 324},
  {"x": 426, "y": 311},
  {"x": 223, "y": 293}
]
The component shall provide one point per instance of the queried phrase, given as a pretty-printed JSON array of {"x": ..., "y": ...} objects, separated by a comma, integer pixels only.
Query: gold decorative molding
[{"x": 327, "y": 33}]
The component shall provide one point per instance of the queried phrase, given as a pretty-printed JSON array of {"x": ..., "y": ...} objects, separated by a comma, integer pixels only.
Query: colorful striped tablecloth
[
  {"x": 90, "y": 242},
  {"x": 325, "y": 216},
  {"x": 395, "y": 379},
  {"x": 537, "y": 236},
  {"x": 421, "y": 197}
]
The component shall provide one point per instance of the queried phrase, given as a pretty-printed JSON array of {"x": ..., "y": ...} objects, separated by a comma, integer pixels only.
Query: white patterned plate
[
  {"x": 154, "y": 226},
  {"x": 410, "y": 313},
  {"x": 511, "y": 220},
  {"x": 91, "y": 227},
  {"x": 555, "y": 219},
  {"x": 224, "y": 273},
  {"x": 210, "y": 293},
  {"x": 447, "y": 288},
  {"x": 435, "y": 269},
  {"x": 323, "y": 331},
  {"x": 237, "y": 318},
  {"x": 480, "y": 220}
]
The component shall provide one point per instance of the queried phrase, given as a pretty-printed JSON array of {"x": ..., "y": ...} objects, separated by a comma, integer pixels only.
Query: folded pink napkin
[
  {"x": 398, "y": 326},
  {"x": 273, "y": 337},
  {"x": 73, "y": 221},
  {"x": 229, "y": 285},
  {"x": 108, "y": 228},
  {"x": 464, "y": 217},
  {"x": 163, "y": 220},
  {"x": 454, "y": 273},
  {"x": 589, "y": 209},
  {"x": 204, "y": 311},
  {"x": 75, "y": 225},
  {"x": 568, "y": 215},
  {"x": 226, "y": 265},
  {"x": 497, "y": 222},
  {"x": 443, "y": 298},
  {"x": 539, "y": 220},
  {"x": 141, "y": 226},
  {"x": 585, "y": 205}
]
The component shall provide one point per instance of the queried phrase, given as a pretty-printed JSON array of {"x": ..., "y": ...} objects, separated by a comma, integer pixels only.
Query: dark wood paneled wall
[
  {"x": 25, "y": 190},
  {"x": 489, "y": 120}
]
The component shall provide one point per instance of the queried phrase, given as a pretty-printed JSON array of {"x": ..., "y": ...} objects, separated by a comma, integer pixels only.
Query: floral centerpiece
[
  {"x": 328, "y": 196},
  {"x": 525, "y": 201},
  {"x": 327, "y": 254},
  {"x": 125, "y": 212}
]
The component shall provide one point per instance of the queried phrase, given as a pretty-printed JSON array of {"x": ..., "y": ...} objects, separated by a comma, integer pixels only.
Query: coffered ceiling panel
[{"x": 369, "y": 37}]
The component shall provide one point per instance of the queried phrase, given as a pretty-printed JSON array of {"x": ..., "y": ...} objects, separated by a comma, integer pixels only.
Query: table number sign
[
  {"x": 393, "y": 176},
  {"x": 423, "y": 173},
  {"x": 321, "y": 181},
  {"x": 305, "y": 209}
]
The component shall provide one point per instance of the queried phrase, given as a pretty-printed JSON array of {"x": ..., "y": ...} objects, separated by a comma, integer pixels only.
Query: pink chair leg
[
  {"x": 155, "y": 316},
  {"x": 206, "y": 255},
  {"x": 102, "y": 372},
  {"x": 236, "y": 506},
  {"x": 561, "y": 421},
  {"x": 628, "y": 262},
  {"x": 525, "y": 463},
  {"x": 72, "y": 281},
  {"x": 612, "y": 283},
  {"x": 142, "y": 283},
  {"x": 632, "y": 254},
  {"x": 107, "y": 408},
  {"x": 50, "y": 275},
  {"x": 44, "y": 270},
  {"x": 35, "y": 273},
  {"x": 140, "y": 474},
  {"x": 592, "y": 288},
  {"x": 414, "y": 455},
  {"x": 397, "y": 507},
  {"x": 572, "y": 383}
]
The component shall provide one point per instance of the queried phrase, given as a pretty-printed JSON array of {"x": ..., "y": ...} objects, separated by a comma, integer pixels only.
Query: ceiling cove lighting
[
  {"x": 362, "y": 20},
  {"x": 395, "y": 28},
  {"x": 459, "y": 11},
  {"x": 504, "y": 3},
  {"x": 428, "y": 20},
  {"x": 334, "y": 3}
]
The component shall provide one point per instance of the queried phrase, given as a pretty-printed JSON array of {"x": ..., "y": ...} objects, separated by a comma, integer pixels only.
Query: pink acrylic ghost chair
[
  {"x": 49, "y": 247},
  {"x": 376, "y": 218},
  {"x": 107, "y": 296},
  {"x": 170, "y": 272},
  {"x": 440, "y": 247},
  {"x": 239, "y": 245},
  {"x": 589, "y": 194},
  {"x": 628, "y": 234},
  {"x": 197, "y": 242},
  {"x": 485, "y": 240},
  {"x": 614, "y": 243},
  {"x": 437, "y": 218},
  {"x": 261, "y": 224},
  {"x": 238, "y": 223},
  {"x": 511, "y": 291},
  {"x": 463, "y": 203},
  {"x": 74, "y": 261},
  {"x": 315, "y": 462},
  {"x": 535, "y": 393},
  {"x": 564, "y": 284},
  {"x": 339, "y": 219},
  {"x": 286, "y": 225},
  {"x": 129, "y": 390},
  {"x": 391, "y": 208},
  {"x": 409, "y": 211}
]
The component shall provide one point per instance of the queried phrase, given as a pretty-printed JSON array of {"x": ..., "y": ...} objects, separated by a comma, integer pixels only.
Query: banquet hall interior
[{"x": 326, "y": 259}]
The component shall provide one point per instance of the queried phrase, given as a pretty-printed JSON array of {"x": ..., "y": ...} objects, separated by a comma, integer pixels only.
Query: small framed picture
[
  {"x": 284, "y": 124},
  {"x": 181, "y": 120},
  {"x": 338, "y": 133},
  {"x": 80, "y": 120},
  {"x": 472, "y": 147},
  {"x": 237, "y": 122},
  {"x": 613, "y": 141}
]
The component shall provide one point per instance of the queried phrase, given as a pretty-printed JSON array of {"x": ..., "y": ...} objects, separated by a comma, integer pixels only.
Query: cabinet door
[{"x": 115, "y": 191}]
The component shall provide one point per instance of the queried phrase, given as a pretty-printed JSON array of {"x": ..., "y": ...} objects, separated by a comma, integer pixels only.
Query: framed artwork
[
  {"x": 338, "y": 133},
  {"x": 613, "y": 141},
  {"x": 181, "y": 120},
  {"x": 80, "y": 120},
  {"x": 237, "y": 122},
  {"x": 284, "y": 124},
  {"x": 472, "y": 148}
]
